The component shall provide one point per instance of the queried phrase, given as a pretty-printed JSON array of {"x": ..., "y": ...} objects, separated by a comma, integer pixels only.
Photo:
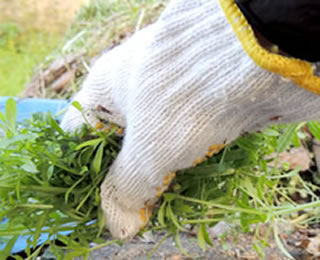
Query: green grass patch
[{"x": 21, "y": 52}]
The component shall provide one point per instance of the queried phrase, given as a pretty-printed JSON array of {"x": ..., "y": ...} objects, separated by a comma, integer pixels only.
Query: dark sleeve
[{"x": 293, "y": 25}]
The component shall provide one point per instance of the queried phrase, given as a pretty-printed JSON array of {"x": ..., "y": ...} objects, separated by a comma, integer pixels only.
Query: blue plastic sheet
[
  {"x": 28, "y": 106},
  {"x": 21, "y": 242}
]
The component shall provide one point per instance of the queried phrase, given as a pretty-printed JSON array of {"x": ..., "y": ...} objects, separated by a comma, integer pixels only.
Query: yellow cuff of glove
[{"x": 299, "y": 71}]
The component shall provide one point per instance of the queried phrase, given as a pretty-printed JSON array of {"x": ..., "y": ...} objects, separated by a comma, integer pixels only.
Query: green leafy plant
[
  {"x": 49, "y": 179},
  {"x": 238, "y": 186},
  {"x": 49, "y": 183}
]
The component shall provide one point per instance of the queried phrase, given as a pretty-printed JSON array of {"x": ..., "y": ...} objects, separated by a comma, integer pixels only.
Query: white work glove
[{"x": 182, "y": 88}]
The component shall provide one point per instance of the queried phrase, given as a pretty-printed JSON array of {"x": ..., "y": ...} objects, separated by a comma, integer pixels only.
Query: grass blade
[
  {"x": 11, "y": 113},
  {"x": 285, "y": 139}
]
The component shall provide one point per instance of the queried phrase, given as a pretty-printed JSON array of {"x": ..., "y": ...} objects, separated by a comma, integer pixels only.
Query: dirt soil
[{"x": 232, "y": 247}]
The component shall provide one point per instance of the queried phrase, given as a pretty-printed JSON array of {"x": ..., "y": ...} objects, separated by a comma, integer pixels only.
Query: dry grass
[
  {"x": 44, "y": 15},
  {"x": 104, "y": 23},
  {"x": 99, "y": 25},
  {"x": 41, "y": 24},
  {"x": 29, "y": 31}
]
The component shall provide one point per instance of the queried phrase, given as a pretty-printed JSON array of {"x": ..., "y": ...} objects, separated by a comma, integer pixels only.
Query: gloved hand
[{"x": 182, "y": 88}]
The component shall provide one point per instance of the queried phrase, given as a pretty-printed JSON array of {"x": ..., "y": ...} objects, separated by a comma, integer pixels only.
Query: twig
[{"x": 42, "y": 83}]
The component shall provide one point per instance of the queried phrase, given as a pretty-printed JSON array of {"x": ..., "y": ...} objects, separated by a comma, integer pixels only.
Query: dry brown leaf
[
  {"x": 176, "y": 257},
  {"x": 295, "y": 157},
  {"x": 304, "y": 243},
  {"x": 313, "y": 247}
]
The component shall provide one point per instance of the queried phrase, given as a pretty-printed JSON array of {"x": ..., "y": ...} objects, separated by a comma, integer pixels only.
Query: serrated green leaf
[
  {"x": 206, "y": 235},
  {"x": 173, "y": 218},
  {"x": 184, "y": 208},
  {"x": 285, "y": 139},
  {"x": 29, "y": 166},
  {"x": 17, "y": 138},
  {"x": 55, "y": 126},
  {"x": 161, "y": 214},
  {"x": 93, "y": 142},
  {"x": 296, "y": 140},
  {"x": 77, "y": 105},
  {"x": 201, "y": 239},
  {"x": 50, "y": 172},
  {"x": 314, "y": 128},
  {"x": 85, "y": 155},
  {"x": 270, "y": 132},
  {"x": 245, "y": 144},
  {"x": 169, "y": 196},
  {"x": 96, "y": 163}
]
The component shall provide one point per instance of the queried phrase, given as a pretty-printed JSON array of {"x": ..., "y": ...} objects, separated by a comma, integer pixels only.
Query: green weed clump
[
  {"x": 49, "y": 183},
  {"x": 49, "y": 179}
]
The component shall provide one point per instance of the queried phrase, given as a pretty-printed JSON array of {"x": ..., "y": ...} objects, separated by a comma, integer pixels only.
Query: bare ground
[{"x": 232, "y": 247}]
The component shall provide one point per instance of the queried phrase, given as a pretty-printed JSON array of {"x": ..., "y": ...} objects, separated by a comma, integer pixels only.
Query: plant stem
[
  {"x": 36, "y": 188},
  {"x": 104, "y": 245},
  {"x": 36, "y": 206},
  {"x": 211, "y": 204},
  {"x": 201, "y": 221},
  {"x": 296, "y": 208}
]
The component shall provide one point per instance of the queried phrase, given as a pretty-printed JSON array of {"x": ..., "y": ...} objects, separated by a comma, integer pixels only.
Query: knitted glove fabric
[{"x": 182, "y": 88}]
